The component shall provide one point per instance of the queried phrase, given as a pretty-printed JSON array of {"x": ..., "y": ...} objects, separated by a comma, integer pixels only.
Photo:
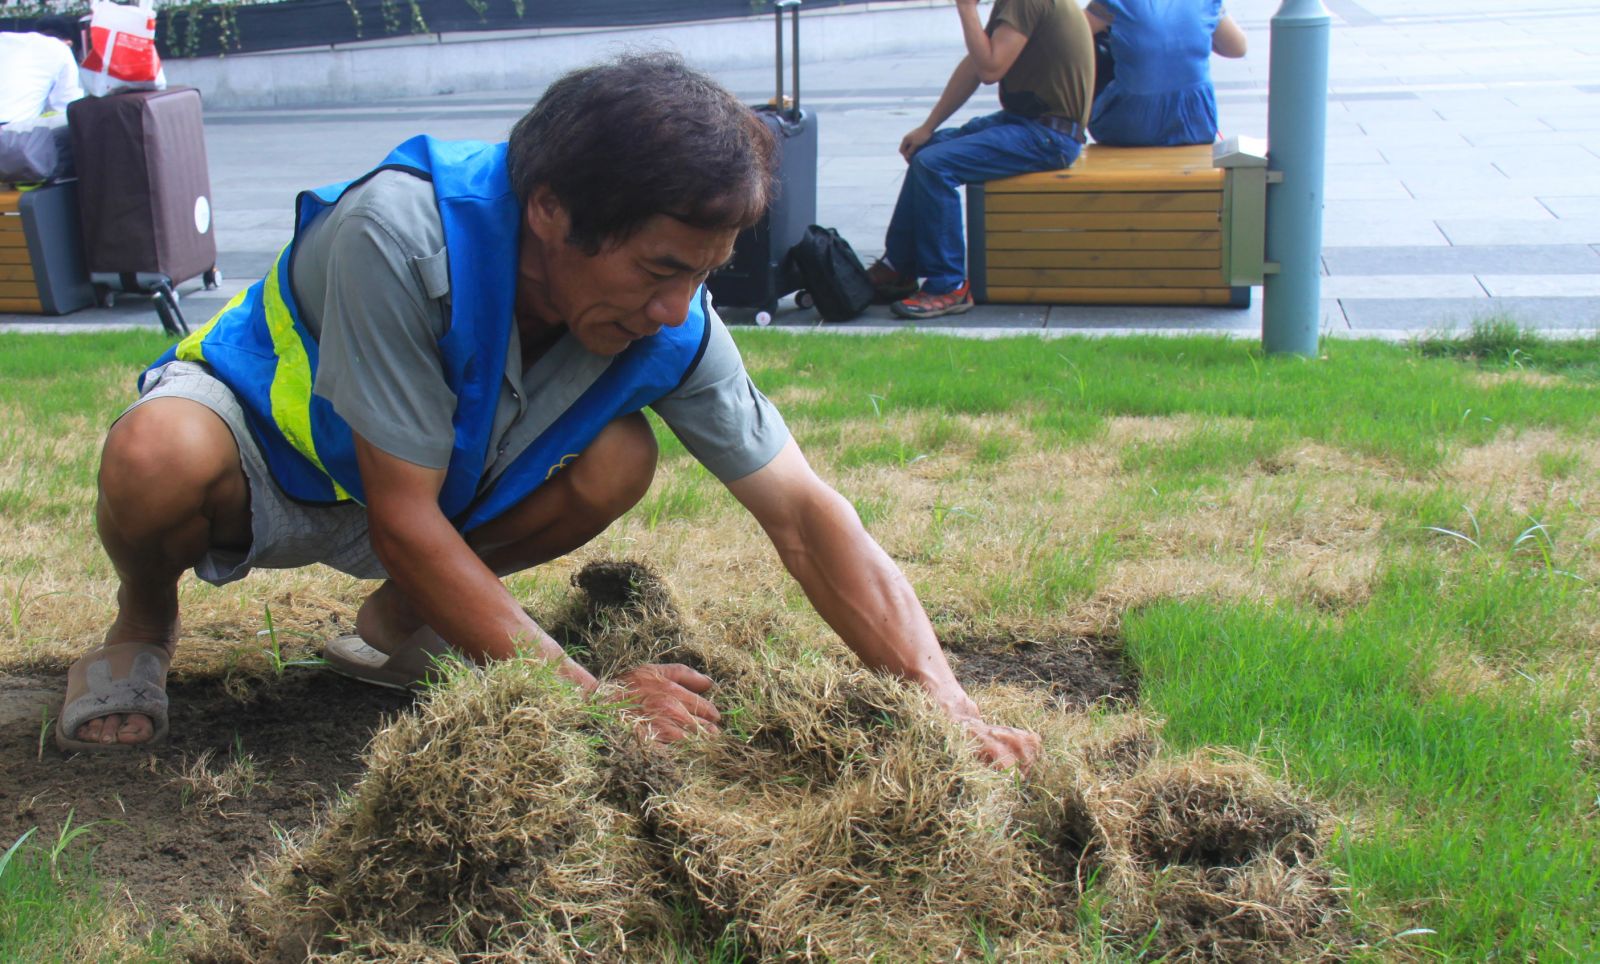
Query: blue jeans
[{"x": 924, "y": 236}]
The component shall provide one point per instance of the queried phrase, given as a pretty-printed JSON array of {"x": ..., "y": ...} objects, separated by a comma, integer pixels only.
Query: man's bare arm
[
  {"x": 1228, "y": 40},
  {"x": 450, "y": 587},
  {"x": 862, "y": 594},
  {"x": 464, "y": 602},
  {"x": 958, "y": 90},
  {"x": 991, "y": 55}
]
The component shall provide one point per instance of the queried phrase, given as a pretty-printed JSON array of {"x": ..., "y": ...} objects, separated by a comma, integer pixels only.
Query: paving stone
[
  {"x": 1567, "y": 206},
  {"x": 1422, "y": 314},
  {"x": 1535, "y": 259},
  {"x": 1413, "y": 286},
  {"x": 1559, "y": 231},
  {"x": 1540, "y": 286},
  {"x": 1342, "y": 232}
]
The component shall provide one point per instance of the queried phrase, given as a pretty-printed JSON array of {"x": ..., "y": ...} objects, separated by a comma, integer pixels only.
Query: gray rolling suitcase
[
  {"x": 144, "y": 192},
  {"x": 41, "y": 257},
  {"x": 759, "y": 274}
]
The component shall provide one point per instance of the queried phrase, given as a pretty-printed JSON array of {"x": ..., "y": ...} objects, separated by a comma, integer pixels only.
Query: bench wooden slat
[
  {"x": 1147, "y": 168},
  {"x": 1104, "y": 278},
  {"x": 1111, "y": 296},
  {"x": 28, "y": 306},
  {"x": 16, "y": 272},
  {"x": 1099, "y": 203},
  {"x": 9, "y": 200},
  {"x": 12, "y": 239},
  {"x": 14, "y": 256},
  {"x": 1123, "y": 180},
  {"x": 1123, "y": 221},
  {"x": 1104, "y": 241},
  {"x": 1102, "y": 259},
  {"x": 19, "y": 289}
]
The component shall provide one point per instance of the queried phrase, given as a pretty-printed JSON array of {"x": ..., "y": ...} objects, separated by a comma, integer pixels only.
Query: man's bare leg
[
  {"x": 574, "y": 507},
  {"x": 171, "y": 487}
]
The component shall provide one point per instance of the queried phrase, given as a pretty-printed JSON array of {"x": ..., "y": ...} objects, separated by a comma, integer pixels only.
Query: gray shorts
[{"x": 284, "y": 534}]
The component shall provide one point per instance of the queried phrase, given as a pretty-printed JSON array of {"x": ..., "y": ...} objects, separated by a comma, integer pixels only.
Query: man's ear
[{"x": 546, "y": 216}]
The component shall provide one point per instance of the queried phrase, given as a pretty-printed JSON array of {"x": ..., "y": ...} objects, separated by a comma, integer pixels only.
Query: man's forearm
[
  {"x": 980, "y": 46},
  {"x": 461, "y": 599},
  {"x": 863, "y": 596},
  {"x": 957, "y": 91}
]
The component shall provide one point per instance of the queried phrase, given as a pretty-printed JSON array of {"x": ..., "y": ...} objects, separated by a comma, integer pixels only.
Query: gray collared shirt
[{"x": 371, "y": 278}]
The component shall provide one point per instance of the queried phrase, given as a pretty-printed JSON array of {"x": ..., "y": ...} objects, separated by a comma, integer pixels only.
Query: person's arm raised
[
  {"x": 862, "y": 594},
  {"x": 992, "y": 55}
]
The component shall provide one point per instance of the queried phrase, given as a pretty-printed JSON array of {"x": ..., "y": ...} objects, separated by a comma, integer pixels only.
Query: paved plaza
[{"x": 1463, "y": 170}]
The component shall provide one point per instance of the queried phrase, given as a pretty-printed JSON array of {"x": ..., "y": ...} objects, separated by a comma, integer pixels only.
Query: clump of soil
[
  {"x": 838, "y": 816},
  {"x": 1075, "y": 672},
  {"x": 183, "y": 822}
]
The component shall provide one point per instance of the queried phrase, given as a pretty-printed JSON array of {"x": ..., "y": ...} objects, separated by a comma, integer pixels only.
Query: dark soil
[
  {"x": 1071, "y": 672},
  {"x": 304, "y": 733}
]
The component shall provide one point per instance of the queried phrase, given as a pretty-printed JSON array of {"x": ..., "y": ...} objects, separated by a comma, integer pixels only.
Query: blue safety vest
[{"x": 259, "y": 347}]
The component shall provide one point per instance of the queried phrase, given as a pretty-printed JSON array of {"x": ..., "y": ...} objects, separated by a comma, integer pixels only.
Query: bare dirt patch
[
  {"x": 301, "y": 736},
  {"x": 1072, "y": 672}
]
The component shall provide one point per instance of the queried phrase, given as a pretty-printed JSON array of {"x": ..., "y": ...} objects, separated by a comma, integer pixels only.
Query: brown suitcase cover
[{"x": 144, "y": 189}]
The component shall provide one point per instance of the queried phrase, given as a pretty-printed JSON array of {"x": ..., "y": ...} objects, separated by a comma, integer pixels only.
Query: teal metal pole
[{"x": 1297, "y": 125}]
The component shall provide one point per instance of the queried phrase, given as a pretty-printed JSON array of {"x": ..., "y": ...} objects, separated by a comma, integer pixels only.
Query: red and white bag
[{"x": 121, "y": 49}]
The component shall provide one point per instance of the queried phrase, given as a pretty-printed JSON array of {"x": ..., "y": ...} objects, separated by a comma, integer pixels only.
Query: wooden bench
[
  {"x": 41, "y": 252},
  {"x": 1123, "y": 225}
]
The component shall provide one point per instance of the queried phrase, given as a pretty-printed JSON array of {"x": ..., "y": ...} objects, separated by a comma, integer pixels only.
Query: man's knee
[
  {"x": 616, "y": 470},
  {"x": 167, "y": 459}
]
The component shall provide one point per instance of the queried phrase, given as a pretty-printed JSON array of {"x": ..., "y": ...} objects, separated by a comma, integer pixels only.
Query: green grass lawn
[{"x": 1374, "y": 570}]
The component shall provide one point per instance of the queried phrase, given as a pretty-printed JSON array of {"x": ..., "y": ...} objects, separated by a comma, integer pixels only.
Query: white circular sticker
[{"x": 202, "y": 214}]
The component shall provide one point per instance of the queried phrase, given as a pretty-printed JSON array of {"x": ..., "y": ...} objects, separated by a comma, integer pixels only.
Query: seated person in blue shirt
[
  {"x": 1160, "y": 91},
  {"x": 441, "y": 382}
]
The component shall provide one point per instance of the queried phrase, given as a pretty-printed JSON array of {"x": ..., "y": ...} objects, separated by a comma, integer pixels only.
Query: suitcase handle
[{"x": 793, "y": 6}]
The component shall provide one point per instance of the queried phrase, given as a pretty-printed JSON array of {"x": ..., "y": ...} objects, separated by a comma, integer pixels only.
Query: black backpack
[{"x": 831, "y": 274}]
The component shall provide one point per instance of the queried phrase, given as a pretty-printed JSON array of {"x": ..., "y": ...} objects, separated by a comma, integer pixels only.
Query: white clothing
[{"x": 37, "y": 75}]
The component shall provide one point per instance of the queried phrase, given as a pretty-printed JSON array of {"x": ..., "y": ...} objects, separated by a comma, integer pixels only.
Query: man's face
[{"x": 627, "y": 291}]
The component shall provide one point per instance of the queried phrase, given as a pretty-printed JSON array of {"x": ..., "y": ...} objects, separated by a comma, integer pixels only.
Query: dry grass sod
[
  {"x": 1259, "y": 533},
  {"x": 840, "y": 818}
]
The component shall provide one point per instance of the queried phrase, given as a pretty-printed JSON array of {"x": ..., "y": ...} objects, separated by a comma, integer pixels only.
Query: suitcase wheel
[
  {"x": 212, "y": 278},
  {"x": 105, "y": 297},
  {"x": 803, "y": 299}
]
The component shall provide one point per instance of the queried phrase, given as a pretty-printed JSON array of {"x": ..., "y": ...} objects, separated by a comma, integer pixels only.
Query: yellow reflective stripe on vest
[
  {"x": 291, "y": 380},
  {"x": 192, "y": 348}
]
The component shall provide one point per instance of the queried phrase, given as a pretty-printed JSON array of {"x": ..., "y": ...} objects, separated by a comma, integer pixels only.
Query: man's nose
[{"x": 669, "y": 305}]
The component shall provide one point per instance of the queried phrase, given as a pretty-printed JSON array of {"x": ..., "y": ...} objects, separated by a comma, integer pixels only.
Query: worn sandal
[
  {"x": 116, "y": 679},
  {"x": 411, "y": 667}
]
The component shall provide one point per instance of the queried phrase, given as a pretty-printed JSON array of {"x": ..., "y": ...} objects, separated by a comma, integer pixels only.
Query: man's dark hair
[
  {"x": 59, "y": 27},
  {"x": 645, "y": 134}
]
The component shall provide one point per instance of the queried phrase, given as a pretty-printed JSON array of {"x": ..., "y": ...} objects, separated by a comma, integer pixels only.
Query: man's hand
[
  {"x": 910, "y": 143},
  {"x": 1003, "y": 747},
  {"x": 668, "y": 695}
]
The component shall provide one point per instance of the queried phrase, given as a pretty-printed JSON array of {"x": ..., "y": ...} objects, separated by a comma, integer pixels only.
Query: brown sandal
[
  {"x": 410, "y": 667},
  {"x": 116, "y": 679}
]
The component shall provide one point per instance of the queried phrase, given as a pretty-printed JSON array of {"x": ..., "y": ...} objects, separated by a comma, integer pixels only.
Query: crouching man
[{"x": 440, "y": 382}]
